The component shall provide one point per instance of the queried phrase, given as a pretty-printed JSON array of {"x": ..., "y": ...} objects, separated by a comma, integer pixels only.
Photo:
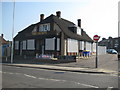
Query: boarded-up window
[
  {"x": 50, "y": 44},
  {"x": 24, "y": 45},
  {"x": 16, "y": 45},
  {"x": 81, "y": 45},
  {"x": 72, "y": 45},
  {"x": 31, "y": 44}
]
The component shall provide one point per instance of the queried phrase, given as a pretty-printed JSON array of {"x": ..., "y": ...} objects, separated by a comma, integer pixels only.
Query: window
[
  {"x": 16, "y": 45},
  {"x": 24, "y": 45},
  {"x": 49, "y": 44},
  {"x": 44, "y": 27},
  {"x": 31, "y": 44}
]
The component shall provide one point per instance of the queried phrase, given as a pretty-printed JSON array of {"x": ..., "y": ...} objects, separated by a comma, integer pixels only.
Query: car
[{"x": 111, "y": 51}]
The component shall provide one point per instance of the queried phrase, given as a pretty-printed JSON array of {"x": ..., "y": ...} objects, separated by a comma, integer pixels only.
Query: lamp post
[
  {"x": 118, "y": 40},
  {"x": 13, "y": 33}
]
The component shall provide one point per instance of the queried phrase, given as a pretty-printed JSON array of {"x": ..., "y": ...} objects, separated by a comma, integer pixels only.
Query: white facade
[{"x": 101, "y": 50}]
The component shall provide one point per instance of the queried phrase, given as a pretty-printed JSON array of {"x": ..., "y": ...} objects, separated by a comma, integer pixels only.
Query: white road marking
[
  {"x": 88, "y": 85},
  {"x": 57, "y": 80},
  {"x": 109, "y": 88},
  {"x": 17, "y": 67},
  {"x": 30, "y": 76}
]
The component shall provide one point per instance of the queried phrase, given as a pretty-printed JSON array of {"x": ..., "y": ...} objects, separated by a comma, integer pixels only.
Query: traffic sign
[{"x": 96, "y": 37}]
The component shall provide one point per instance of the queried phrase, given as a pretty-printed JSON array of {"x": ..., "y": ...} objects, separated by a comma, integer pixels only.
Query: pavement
[{"x": 107, "y": 64}]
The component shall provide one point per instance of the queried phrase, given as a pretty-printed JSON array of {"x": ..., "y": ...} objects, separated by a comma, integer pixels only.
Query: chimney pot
[
  {"x": 58, "y": 14},
  {"x": 79, "y": 22},
  {"x": 41, "y": 17}
]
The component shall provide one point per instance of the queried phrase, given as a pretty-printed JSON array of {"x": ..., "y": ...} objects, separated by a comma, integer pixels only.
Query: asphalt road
[{"x": 22, "y": 77}]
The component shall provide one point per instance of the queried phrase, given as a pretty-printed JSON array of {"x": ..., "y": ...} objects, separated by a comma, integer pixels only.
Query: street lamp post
[
  {"x": 118, "y": 40},
  {"x": 13, "y": 33}
]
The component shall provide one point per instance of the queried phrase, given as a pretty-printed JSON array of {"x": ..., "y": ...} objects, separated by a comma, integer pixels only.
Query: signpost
[{"x": 96, "y": 38}]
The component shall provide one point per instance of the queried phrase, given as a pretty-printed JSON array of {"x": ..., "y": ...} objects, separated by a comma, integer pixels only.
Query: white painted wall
[
  {"x": 101, "y": 50},
  {"x": 31, "y": 44},
  {"x": 72, "y": 45},
  {"x": 50, "y": 44},
  {"x": 88, "y": 46},
  {"x": 94, "y": 47},
  {"x": 78, "y": 30}
]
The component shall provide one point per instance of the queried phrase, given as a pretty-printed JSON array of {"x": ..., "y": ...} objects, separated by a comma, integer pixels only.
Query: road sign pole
[
  {"x": 96, "y": 64},
  {"x": 96, "y": 38}
]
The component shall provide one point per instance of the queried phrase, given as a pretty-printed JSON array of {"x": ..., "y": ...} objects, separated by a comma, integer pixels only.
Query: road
[{"x": 23, "y": 77}]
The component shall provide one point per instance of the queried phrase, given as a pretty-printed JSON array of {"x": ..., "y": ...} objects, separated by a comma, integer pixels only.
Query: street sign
[{"x": 96, "y": 37}]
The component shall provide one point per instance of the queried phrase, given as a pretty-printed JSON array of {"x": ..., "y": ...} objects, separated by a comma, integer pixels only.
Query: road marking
[
  {"x": 57, "y": 80},
  {"x": 109, "y": 88},
  {"x": 88, "y": 85},
  {"x": 30, "y": 76}
]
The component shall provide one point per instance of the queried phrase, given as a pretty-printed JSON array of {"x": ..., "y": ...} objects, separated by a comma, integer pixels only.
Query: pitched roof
[{"x": 63, "y": 24}]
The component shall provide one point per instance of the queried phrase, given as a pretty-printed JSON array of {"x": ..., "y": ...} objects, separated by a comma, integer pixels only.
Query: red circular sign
[{"x": 96, "y": 37}]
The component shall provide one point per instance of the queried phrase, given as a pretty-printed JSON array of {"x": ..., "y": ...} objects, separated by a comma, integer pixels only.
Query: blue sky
[{"x": 98, "y": 16}]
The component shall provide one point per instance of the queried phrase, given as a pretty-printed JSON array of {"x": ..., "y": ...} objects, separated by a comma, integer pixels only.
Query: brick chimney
[
  {"x": 79, "y": 22},
  {"x": 41, "y": 17},
  {"x": 58, "y": 14}
]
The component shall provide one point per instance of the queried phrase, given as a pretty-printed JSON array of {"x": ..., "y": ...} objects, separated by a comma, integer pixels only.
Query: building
[
  {"x": 52, "y": 35},
  {"x": 110, "y": 43},
  {"x": 4, "y": 47}
]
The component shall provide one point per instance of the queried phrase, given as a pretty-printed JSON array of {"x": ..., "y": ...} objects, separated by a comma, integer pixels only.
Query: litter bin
[{"x": 86, "y": 53}]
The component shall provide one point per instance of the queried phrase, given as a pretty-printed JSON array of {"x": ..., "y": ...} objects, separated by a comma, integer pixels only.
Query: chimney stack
[
  {"x": 41, "y": 17},
  {"x": 58, "y": 14},
  {"x": 79, "y": 22},
  {"x": 2, "y": 35}
]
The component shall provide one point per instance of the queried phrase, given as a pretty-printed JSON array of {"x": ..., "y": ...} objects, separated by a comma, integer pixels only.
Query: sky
[{"x": 97, "y": 16}]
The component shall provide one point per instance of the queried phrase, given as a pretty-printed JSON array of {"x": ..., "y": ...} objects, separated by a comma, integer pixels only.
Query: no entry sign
[{"x": 96, "y": 37}]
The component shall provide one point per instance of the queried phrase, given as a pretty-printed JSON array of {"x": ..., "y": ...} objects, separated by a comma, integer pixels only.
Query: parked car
[{"x": 111, "y": 51}]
